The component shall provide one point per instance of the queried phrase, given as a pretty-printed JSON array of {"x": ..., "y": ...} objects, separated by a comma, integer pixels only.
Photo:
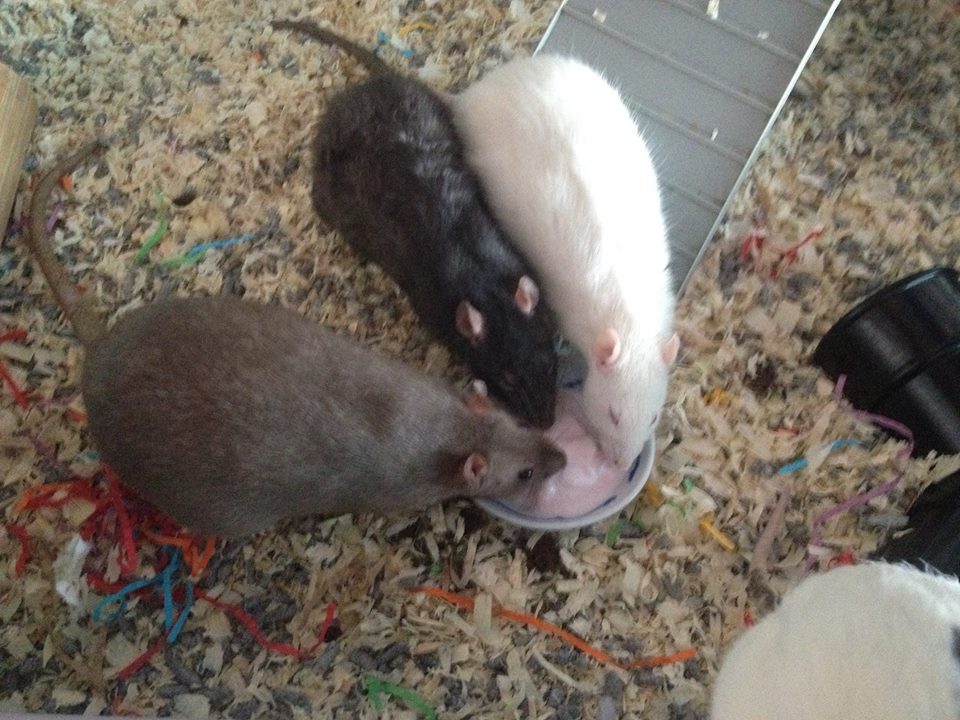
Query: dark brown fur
[{"x": 230, "y": 415}]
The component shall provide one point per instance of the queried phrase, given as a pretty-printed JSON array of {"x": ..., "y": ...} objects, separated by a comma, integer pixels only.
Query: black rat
[
  {"x": 389, "y": 174},
  {"x": 230, "y": 415}
]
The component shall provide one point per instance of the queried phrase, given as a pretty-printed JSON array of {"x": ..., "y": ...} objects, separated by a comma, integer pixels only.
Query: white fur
[
  {"x": 869, "y": 642},
  {"x": 571, "y": 181}
]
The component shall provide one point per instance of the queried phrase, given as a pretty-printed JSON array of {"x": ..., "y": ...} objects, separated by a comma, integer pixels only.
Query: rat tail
[
  {"x": 375, "y": 65},
  {"x": 80, "y": 309}
]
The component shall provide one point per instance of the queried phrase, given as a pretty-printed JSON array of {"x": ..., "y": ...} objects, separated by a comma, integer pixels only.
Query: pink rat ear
[
  {"x": 474, "y": 470},
  {"x": 470, "y": 322},
  {"x": 477, "y": 399},
  {"x": 606, "y": 349},
  {"x": 669, "y": 350},
  {"x": 527, "y": 295}
]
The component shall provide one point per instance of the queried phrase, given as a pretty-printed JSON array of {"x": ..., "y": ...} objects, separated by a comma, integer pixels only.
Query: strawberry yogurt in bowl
[{"x": 589, "y": 489}]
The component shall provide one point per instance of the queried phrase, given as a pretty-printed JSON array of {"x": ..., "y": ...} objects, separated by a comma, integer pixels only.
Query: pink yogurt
[{"x": 587, "y": 481}]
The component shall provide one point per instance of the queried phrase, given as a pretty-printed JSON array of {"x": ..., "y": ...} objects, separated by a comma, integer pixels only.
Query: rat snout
[
  {"x": 609, "y": 454},
  {"x": 553, "y": 460}
]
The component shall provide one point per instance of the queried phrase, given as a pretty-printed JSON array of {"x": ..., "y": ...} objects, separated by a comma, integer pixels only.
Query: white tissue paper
[{"x": 67, "y": 568}]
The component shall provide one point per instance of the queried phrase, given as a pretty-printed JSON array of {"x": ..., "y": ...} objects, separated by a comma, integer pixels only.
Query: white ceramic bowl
[{"x": 626, "y": 492}]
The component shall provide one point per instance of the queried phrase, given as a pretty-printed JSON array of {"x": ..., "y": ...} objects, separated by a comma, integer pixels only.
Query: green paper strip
[
  {"x": 374, "y": 686},
  {"x": 182, "y": 261},
  {"x": 151, "y": 243},
  {"x": 613, "y": 534}
]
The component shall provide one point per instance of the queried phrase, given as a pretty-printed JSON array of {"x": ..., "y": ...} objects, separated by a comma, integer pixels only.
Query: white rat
[
  {"x": 868, "y": 642},
  {"x": 568, "y": 176}
]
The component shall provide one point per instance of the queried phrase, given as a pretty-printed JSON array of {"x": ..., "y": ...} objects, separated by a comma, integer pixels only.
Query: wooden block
[{"x": 18, "y": 113}]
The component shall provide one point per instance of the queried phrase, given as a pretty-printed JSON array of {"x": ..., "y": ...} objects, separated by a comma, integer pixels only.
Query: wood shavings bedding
[{"x": 214, "y": 111}]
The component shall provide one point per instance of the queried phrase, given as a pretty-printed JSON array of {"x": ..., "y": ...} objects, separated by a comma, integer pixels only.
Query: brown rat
[
  {"x": 389, "y": 174},
  {"x": 230, "y": 416}
]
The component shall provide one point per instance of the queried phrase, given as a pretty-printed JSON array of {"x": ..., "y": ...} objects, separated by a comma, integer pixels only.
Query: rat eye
[
  {"x": 525, "y": 474},
  {"x": 614, "y": 417}
]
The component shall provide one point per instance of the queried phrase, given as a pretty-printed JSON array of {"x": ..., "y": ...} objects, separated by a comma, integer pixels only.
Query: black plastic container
[
  {"x": 900, "y": 351},
  {"x": 932, "y": 536}
]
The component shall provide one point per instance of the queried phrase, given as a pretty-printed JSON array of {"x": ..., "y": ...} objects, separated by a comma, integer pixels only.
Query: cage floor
[{"x": 202, "y": 100}]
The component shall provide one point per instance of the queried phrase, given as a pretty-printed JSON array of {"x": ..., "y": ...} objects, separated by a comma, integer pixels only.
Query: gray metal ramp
[{"x": 705, "y": 79}]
